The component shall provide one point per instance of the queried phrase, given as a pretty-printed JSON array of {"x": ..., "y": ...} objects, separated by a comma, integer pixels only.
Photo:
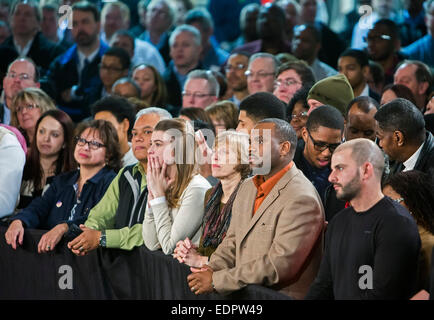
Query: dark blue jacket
[
  {"x": 42, "y": 52},
  {"x": 63, "y": 74},
  {"x": 54, "y": 207}
]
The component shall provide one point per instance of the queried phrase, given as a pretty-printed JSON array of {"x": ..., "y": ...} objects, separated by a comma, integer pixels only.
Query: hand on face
[{"x": 157, "y": 177}]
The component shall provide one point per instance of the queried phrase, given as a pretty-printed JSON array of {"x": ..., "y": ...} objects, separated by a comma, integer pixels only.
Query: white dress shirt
[{"x": 410, "y": 163}]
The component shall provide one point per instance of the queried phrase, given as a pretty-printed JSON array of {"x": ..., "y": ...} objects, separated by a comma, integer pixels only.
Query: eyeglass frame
[
  {"x": 197, "y": 95},
  {"x": 379, "y": 37},
  {"x": 28, "y": 107},
  {"x": 278, "y": 83},
  {"x": 331, "y": 146},
  {"x": 238, "y": 66},
  {"x": 21, "y": 76},
  {"x": 260, "y": 74},
  {"x": 299, "y": 115},
  {"x": 93, "y": 145},
  {"x": 101, "y": 66}
]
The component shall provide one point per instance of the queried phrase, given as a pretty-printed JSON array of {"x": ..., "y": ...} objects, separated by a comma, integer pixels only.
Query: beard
[
  {"x": 84, "y": 39},
  {"x": 239, "y": 86},
  {"x": 350, "y": 190}
]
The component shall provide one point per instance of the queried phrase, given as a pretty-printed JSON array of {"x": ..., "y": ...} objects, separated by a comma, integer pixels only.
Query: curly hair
[
  {"x": 109, "y": 137},
  {"x": 417, "y": 190}
]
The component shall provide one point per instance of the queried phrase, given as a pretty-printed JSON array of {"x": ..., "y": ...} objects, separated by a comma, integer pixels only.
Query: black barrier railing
[{"x": 102, "y": 274}]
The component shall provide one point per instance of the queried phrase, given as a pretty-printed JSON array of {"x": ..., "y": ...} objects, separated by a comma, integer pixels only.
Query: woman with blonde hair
[
  {"x": 175, "y": 189},
  {"x": 27, "y": 106},
  {"x": 224, "y": 115},
  {"x": 230, "y": 165}
]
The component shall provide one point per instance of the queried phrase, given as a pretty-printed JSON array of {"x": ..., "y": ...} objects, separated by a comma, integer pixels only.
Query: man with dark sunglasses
[{"x": 321, "y": 136}]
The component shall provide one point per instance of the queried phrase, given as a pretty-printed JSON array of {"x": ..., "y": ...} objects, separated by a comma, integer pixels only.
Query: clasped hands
[
  {"x": 87, "y": 241},
  {"x": 186, "y": 252},
  {"x": 200, "y": 281}
]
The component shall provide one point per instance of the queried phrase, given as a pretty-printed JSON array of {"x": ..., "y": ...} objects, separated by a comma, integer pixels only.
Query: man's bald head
[{"x": 362, "y": 151}]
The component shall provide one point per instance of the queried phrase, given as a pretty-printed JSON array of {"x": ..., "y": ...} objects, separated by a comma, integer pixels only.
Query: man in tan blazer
[{"x": 275, "y": 237}]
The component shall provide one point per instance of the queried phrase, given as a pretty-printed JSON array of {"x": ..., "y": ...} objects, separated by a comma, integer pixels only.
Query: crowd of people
[{"x": 260, "y": 148}]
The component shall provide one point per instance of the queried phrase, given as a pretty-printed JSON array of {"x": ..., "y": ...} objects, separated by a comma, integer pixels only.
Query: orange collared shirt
[{"x": 264, "y": 186}]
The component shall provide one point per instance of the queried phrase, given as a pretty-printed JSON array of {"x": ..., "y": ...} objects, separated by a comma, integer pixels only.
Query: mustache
[{"x": 82, "y": 33}]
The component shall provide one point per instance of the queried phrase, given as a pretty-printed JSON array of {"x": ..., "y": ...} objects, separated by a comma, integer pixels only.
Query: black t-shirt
[{"x": 369, "y": 255}]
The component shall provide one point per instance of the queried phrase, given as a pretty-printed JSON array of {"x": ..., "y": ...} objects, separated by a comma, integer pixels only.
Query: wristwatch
[{"x": 102, "y": 239}]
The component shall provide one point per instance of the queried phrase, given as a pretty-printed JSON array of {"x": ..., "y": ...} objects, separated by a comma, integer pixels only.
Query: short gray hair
[
  {"x": 169, "y": 6},
  {"x": 213, "y": 84},
  {"x": 364, "y": 150},
  {"x": 123, "y": 8},
  {"x": 258, "y": 55},
  {"x": 128, "y": 80},
  {"x": 186, "y": 28},
  {"x": 32, "y": 3},
  {"x": 162, "y": 113}
]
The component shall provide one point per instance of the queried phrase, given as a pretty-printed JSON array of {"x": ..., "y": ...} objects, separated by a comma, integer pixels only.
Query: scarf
[{"x": 216, "y": 222}]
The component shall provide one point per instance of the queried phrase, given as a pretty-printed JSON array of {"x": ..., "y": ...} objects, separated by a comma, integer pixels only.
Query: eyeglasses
[
  {"x": 377, "y": 38},
  {"x": 196, "y": 95},
  {"x": 300, "y": 115},
  {"x": 108, "y": 68},
  {"x": 159, "y": 12},
  {"x": 321, "y": 146},
  {"x": 286, "y": 82},
  {"x": 238, "y": 66},
  {"x": 21, "y": 76},
  {"x": 94, "y": 145},
  {"x": 28, "y": 107},
  {"x": 260, "y": 74}
]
